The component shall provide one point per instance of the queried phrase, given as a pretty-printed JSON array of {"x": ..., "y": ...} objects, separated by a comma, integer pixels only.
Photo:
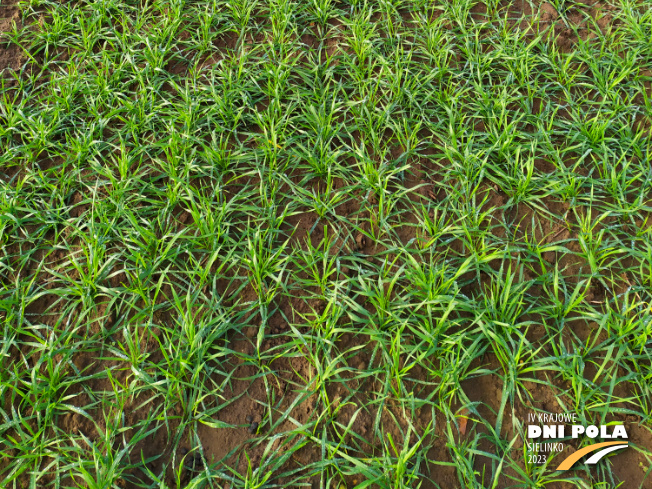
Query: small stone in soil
[
  {"x": 199, "y": 463},
  {"x": 253, "y": 428},
  {"x": 249, "y": 418},
  {"x": 193, "y": 462}
]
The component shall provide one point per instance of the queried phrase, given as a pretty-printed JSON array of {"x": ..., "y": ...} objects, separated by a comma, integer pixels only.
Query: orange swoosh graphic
[{"x": 571, "y": 459}]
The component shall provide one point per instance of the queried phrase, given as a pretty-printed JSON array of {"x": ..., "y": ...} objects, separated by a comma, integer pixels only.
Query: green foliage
[{"x": 374, "y": 208}]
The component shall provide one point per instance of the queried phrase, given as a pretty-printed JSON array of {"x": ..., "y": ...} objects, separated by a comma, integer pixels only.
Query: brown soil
[{"x": 10, "y": 54}]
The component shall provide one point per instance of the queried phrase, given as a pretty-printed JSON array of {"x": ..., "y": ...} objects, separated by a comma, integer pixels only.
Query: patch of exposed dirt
[
  {"x": 567, "y": 24},
  {"x": 258, "y": 405},
  {"x": 10, "y": 54}
]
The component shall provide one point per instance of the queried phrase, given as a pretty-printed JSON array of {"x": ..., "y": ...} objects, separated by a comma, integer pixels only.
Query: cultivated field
[{"x": 322, "y": 244}]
